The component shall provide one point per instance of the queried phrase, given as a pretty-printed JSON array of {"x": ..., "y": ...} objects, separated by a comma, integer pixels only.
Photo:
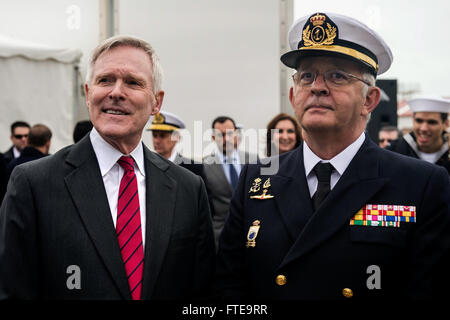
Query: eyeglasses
[
  {"x": 20, "y": 136},
  {"x": 334, "y": 77},
  {"x": 387, "y": 140}
]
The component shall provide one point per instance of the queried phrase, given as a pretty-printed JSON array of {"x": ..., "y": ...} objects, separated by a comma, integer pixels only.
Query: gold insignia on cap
[
  {"x": 252, "y": 234},
  {"x": 158, "y": 118},
  {"x": 318, "y": 35}
]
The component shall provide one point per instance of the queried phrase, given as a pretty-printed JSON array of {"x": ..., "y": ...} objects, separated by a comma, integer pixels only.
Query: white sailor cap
[
  {"x": 166, "y": 121},
  {"x": 429, "y": 104},
  {"x": 337, "y": 35}
]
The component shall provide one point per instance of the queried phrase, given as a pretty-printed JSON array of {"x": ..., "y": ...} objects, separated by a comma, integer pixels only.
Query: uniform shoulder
[{"x": 397, "y": 161}]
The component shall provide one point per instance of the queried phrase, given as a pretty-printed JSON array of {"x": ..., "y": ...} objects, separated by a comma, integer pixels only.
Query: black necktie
[{"x": 323, "y": 173}]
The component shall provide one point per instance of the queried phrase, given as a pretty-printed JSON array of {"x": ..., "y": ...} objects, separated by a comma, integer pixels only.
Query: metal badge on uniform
[
  {"x": 252, "y": 234},
  {"x": 383, "y": 215},
  {"x": 257, "y": 186}
]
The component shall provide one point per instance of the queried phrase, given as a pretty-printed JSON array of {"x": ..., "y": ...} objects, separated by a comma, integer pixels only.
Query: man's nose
[
  {"x": 319, "y": 85},
  {"x": 423, "y": 126},
  {"x": 117, "y": 91}
]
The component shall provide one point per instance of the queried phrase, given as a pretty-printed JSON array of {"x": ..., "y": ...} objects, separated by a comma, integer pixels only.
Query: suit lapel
[
  {"x": 357, "y": 185},
  {"x": 160, "y": 206},
  {"x": 290, "y": 189},
  {"x": 86, "y": 188}
]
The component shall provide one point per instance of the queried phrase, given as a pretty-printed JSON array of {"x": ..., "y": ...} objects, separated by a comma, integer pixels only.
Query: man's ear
[
  {"x": 291, "y": 96},
  {"x": 86, "y": 90},
  {"x": 372, "y": 100},
  {"x": 159, "y": 96}
]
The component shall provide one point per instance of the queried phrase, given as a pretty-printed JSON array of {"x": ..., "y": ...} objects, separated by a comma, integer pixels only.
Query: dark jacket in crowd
[
  {"x": 28, "y": 154},
  {"x": 407, "y": 146}
]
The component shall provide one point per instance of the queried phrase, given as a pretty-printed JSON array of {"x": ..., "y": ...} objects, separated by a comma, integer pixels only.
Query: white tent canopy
[
  {"x": 39, "y": 84},
  {"x": 14, "y": 47}
]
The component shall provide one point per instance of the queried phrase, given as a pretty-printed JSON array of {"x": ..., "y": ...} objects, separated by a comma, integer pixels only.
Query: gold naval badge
[
  {"x": 318, "y": 36},
  {"x": 264, "y": 194},
  {"x": 252, "y": 234},
  {"x": 158, "y": 119},
  {"x": 256, "y": 185}
]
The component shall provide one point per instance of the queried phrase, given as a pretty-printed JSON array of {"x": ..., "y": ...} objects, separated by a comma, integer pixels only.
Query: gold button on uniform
[
  {"x": 280, "y": 280},
  {"x": 348, "y": 293}
]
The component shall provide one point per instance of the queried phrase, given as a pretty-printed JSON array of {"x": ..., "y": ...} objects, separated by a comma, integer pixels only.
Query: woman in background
[{"x": 283, "y": 134}]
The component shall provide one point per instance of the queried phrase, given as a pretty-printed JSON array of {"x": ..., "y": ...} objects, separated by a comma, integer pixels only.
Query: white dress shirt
[
  {"x": 16, "y": 152},
  {"x": 112, "y": 173},
  {"x": 230, "y": 159},
  {"x": 340, "y": 162},
  {"x": 173, "y": 155}
]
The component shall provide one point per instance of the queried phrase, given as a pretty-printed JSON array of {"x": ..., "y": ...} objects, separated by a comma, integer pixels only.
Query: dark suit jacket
[
  {"x": 219, "y": 190},
  {"x": 27, "y": 154},
  {"x": 3, "y": 177},
  {"x": 56, "y": 214},
  {"x": 191, "y": 165},
  {"x": 9, "y": 155},
  {"x": 403, "y": 147},
  {"x": 320, "y": 253}
]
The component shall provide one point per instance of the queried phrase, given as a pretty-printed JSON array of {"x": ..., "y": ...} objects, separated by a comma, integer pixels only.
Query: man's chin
[{"x": 313, "y": 126}]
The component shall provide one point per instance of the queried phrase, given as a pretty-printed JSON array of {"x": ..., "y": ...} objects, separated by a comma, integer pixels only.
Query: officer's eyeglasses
[
  {"x": 20, "y": 136},
  {"x": 333, "y": 77}
]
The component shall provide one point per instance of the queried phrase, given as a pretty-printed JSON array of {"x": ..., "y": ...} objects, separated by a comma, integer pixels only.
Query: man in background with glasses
[
  {"x": 19, "y": 138},
  {"x": 342, "y": 218}
]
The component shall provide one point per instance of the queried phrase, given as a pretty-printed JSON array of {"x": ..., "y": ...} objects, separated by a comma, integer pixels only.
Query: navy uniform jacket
[
  {"x": 317, "y": 255},
  {"x": 409, "y": 149}
]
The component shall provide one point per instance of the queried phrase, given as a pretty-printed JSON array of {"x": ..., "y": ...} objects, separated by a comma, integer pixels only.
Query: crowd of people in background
[{"x": 283, "y": 134}]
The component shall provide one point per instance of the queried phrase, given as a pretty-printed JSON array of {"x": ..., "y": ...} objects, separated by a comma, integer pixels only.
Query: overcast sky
[{"x": 416, "y": 31}]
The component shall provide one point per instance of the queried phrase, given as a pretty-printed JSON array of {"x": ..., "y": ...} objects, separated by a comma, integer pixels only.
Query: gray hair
[
  {"x": 128, "y": 41},
  {"x": 369, "y": 78}
]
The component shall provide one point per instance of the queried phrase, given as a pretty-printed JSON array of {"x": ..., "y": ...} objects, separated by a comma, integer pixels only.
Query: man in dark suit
[
  {"x": 222, "y": 169},
  {"x": 166, "y": 135},
  {"x": 342, "y": 218},
  {"x": 106, "y": 218},
  {"x": 39, "y": 140},
  {"x": 19, "y": 139},
  {"x": 3, "y": 177}
]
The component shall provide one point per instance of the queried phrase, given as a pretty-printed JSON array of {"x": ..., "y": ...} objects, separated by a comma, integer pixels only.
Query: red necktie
[{"x": 128, "y": 227}]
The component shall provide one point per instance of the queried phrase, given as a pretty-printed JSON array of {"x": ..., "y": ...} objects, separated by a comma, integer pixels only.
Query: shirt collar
[
  {"x": 340, "y": 162},
  {"x": 233, "y": 158},
  {"x": 173, "y": 155},
  {"x": 16, "y": 152},
  {"x": 107, "y": 155}
]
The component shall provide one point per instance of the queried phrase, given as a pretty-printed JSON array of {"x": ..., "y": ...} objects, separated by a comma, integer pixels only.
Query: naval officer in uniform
[
  {"x": 165, "y": 130},
  {"x": 342, "y": 218}
]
